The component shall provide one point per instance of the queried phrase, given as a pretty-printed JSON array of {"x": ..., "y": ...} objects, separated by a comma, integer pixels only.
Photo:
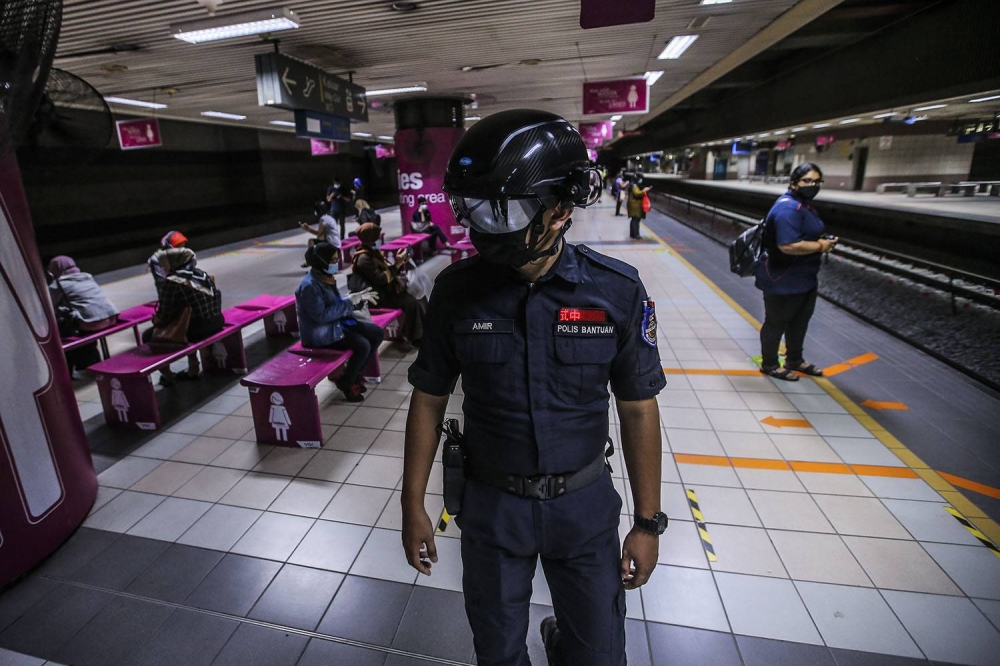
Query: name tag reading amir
[{"x": 485, "y": 326}]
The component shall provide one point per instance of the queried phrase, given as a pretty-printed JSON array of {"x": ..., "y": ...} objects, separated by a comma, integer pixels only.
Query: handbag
[
  {"x": 646, "y": 205},
  {"x": 174, "y": 332}
]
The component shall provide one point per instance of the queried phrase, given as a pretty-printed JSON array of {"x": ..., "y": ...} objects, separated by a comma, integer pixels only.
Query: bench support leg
[
  {"x": 282, "y": 322},
  {"x": 129, "y": 402},
  {"x": 225, "y": 354},
  {"x": 286, "y": 416}
]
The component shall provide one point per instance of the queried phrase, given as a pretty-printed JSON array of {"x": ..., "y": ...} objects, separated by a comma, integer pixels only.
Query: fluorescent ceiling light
[
  {"x": 219, "y": 114},
  {"x": 387, "y": 138},
  {"x": 363, "y": 135},
  {"x": 984, "y": 99},
  {"x": 283, "y": 123},
  {"x": 928, "y": 108},
  {"x": 887, "y": 115},
  {"x": 715, "y": 2},
  {"x": 821, "y": 125},
  {"x": 616, "y": 118},
  {"x": 677, "y": 46},
  {"x": 473, "y": 118},
  {"x": 652, "y": 77},
  {"x": 798, "y": 129},
  {"x": 779, "y": 132},
  {"x": 850, "y": 120},
  {"x": 760, "y": 136},
  {"x": 396, "y": 91},
  {"x": 614, "y": 122},
  {"x": 239, "y": 24},
  {"x": 134, "y": 102}
]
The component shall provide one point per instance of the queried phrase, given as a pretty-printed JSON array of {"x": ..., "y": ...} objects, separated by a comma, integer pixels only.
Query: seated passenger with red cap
[{"x": 172, "y": 239}]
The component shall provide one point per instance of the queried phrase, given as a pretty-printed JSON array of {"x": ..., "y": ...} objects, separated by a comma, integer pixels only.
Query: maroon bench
[
  {"x": 124, "y": 381},
  {"x": 283, "y": 390},
  {"x": 414, "y": 241},
  {"x": 461, "y": 249},
  {"x": 131, "y": 318}
]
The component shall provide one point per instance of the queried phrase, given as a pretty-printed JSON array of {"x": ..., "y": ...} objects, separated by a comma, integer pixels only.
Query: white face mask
[{"x": 423, "y": 207}]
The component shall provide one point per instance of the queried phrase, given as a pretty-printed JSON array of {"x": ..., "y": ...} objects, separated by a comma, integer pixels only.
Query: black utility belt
[{"x": 542, "y": 487}]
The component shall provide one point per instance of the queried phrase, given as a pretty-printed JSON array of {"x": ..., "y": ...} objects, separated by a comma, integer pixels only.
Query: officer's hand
[
  {"x": 639, "y": 553},
  {"x": 418, "y": 540}
]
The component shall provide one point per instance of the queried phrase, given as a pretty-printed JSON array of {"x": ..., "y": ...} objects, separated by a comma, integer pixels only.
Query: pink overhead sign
[
  {"x": 622, "y": 96},
  {"x": 594, "y": 134},
  {"x": 383, "y": 151},
  {"x": 323, "y": 147},
  {"x": 140, "y": 133}
]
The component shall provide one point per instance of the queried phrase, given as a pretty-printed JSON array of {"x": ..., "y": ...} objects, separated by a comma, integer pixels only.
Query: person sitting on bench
[
  {"x": 423, "y": 224},
  {"x": 325, "y": 318},
  {"x": 186, "y": 287},
  {"x": 81, "y": 308},
  {"x": 171, "y": 240}
]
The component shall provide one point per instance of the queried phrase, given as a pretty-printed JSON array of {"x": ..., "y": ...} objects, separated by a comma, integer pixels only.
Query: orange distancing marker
[
  {"x": 975, "y": 487},
  {"x": 879, "y": 406},
  {"x": 848, "y": 364},
  {"x": 785, "y": 423},
  {"x": 798, "y": 466}
]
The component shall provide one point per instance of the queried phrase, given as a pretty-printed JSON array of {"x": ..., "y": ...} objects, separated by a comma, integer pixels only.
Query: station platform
[
  {"x": 982, "y": 208},
  {"x": 805, "y": 527}
]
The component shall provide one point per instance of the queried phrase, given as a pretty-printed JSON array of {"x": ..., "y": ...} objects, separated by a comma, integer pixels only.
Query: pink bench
[
  {"x": 131, "y": 318},
  {"x": 348, "y": 247},
  {"x": 283, "y": 390},
  {"x": 124, "y": 382},
  {"x": 279, "y": 313},
  {"x": 461, "y": 249},
  {"x": 414, "y": 241}
]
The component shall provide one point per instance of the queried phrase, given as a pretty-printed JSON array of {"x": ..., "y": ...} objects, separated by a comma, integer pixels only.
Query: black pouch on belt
[{"x": 453, "y": 459}]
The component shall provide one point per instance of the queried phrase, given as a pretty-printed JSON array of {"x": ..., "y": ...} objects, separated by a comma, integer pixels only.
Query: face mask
[
  {"x": 504, "y": 249},
  {"x": 423, "y": 207},
  {"x": 808, "y": 192}
]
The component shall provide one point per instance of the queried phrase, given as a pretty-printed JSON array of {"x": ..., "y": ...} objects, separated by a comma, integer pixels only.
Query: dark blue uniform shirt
[
  {"x": 536, "y": 359},
  {"x": 790, "y": 220}
]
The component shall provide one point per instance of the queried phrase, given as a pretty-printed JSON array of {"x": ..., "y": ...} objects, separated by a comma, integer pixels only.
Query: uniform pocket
[
  {"x": 484, "y": 358},
  {"x": 585, "y": 364}
]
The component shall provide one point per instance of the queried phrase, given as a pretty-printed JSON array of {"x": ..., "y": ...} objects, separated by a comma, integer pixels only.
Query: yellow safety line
[
  {"x": 987, "y": 526},
  {"x": 699, "y": 520},
  {"x": 983, "y": 539},
  {"x": 444, "y": 521}
]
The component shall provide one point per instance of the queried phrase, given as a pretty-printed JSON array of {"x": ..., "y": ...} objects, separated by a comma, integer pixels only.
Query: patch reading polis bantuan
[
  {"x": 606, "y": 330},
  {"x": 485, "y": 326}
]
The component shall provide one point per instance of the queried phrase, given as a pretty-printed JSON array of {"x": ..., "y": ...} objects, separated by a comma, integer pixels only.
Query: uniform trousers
[
  {"x": 576, "y": 537},
  {"x": 363, "y": 339},
  {"x": 785, "y": 315}
]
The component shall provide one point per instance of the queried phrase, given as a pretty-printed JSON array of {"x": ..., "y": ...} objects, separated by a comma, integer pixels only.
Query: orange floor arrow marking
[
  {"x": 785, "y": 423},
  {"x": 877, "y": 405},
  {"x": 848, "y": 364},
  {"x": 693, "y": 459},
  {"x": 836, "y": 369},
  {"x": 861, "y": 360},
  {"x": 980, "y": 488}
]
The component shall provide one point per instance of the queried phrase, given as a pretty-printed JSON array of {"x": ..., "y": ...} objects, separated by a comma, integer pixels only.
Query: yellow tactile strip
[{"x": 987, "y": 526}]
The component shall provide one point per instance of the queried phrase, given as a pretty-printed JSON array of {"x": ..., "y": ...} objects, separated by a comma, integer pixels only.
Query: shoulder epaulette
[
  {"x": 610, "y": 263},
  {"x": 459, "y": 265}
]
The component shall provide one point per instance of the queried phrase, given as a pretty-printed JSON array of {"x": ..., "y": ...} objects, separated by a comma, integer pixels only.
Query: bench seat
[
  {"x": 414, "y": 241},
  {"x": 130, "y": 318},
  {"x": 461, "y": 249},
  {"x": 124, "y": 382}
]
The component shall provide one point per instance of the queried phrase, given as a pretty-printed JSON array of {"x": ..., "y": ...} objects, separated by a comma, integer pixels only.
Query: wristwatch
[{"x": 656, "y": 525}]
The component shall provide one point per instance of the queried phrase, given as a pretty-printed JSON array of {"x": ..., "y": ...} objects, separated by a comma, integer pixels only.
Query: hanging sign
[
  {"x": 139, "y": 133},
  {"x": 594, "y": 134},
  {"x": 623, "y": 96},
  {"x": 288, "y": 83},
  {"x": 310, "y": 125},
  {"x": 323, "y": 147}
]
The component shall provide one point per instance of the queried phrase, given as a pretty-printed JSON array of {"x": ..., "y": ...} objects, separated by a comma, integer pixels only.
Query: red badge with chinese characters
[{"x": 583, "y": 315}]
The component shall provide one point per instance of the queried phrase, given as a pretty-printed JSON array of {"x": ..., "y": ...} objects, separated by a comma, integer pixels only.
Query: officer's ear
[{"x": 560, "y": 214}]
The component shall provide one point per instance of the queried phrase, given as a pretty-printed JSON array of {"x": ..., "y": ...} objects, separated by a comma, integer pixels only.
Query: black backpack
[{"x": 747, "y": 251}]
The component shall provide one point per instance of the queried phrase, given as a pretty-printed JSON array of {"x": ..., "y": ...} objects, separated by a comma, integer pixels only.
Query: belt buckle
[{"x": 543, "y": 487}]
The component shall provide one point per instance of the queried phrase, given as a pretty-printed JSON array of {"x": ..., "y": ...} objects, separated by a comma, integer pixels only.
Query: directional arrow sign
[
  {"x": 785, "y": 423},
  {"x": 288, "y": 83},
  {"x": 879, "y": 406}
]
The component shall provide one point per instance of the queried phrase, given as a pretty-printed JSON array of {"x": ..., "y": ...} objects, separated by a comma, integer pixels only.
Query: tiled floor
[{"x": 206, "y": 547}]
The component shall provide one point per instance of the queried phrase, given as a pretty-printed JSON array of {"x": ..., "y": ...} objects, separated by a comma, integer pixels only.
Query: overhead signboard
[
  {"x": 595, "y": 134},
  {"x": 311, "y": 125},
  {"x": 599, "y": 13},
  {"x": 618, "y": 97},
  {"x": 288, "y": 83},
  {"x": 323, "y": 147},
  {"x": 383, "y": 151},
  {"x": 139, "y": 133}
]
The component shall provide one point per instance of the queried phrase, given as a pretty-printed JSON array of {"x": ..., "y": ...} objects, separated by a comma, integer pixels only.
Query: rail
[{"x": 954, "y": 281}]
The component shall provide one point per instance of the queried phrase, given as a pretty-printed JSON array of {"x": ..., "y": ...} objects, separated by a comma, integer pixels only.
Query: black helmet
[{"x": 513, "y": 164}]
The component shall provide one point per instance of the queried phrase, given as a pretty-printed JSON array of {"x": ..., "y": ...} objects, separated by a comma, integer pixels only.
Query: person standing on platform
[
  {"x": 795, "y": 242},
  {"x": 325, "y": 318},
  {"x": 636, "y": 193},
  {"x": 536, "y": 328},
  {"x": 423, "y": 224},
  {"x": 336, "y": 199},
  {"x": 618, "y": 192}
]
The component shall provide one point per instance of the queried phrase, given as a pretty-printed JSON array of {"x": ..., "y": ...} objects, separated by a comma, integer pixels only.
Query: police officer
[{"x": 537, "y": 328}]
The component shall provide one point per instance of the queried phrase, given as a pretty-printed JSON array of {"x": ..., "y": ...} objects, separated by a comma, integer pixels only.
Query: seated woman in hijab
[
  {"x": 81, "y": 308},
  {"x": 326, "y": 319},
  {"x": 186, "y": 286},
  {"x": 389, "y": 282}
]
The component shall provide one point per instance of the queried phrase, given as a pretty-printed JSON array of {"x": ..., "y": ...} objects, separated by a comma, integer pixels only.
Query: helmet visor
[{"x": 495, "y": 216}]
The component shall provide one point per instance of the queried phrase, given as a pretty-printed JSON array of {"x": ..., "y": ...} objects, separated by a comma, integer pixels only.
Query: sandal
[
  {"x": 809, "y": 369},
  {"x": 780, "y": 373}
]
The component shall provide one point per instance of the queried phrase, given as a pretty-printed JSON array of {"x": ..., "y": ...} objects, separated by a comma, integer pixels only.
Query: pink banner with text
[
  {"x": 139, "y": 133},
  {"x": 421, "y": 158},
  {"x": 595, "y": 134},
  {"x": 623, "y": 96}
]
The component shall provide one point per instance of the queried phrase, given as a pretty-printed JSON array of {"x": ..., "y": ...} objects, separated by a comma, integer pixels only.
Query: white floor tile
[
  {"x": 360, "y": 505},
  {"x": 305, "y": 497},
  {"x": 124, "y": 511},
  {"x": 220, "y": 528},
  {"x": 255, "y": 491},
  {"x": 767, "y": 608},
  {"x": 331, "y": 546},
  {"x": 170, "y": 519},
  {"x": 274, "y": 536}
]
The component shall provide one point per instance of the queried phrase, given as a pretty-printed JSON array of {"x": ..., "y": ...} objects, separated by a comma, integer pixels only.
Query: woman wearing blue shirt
[
  {"x": 788, "y": 277},
  {"x": 326, "y": 319}
]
